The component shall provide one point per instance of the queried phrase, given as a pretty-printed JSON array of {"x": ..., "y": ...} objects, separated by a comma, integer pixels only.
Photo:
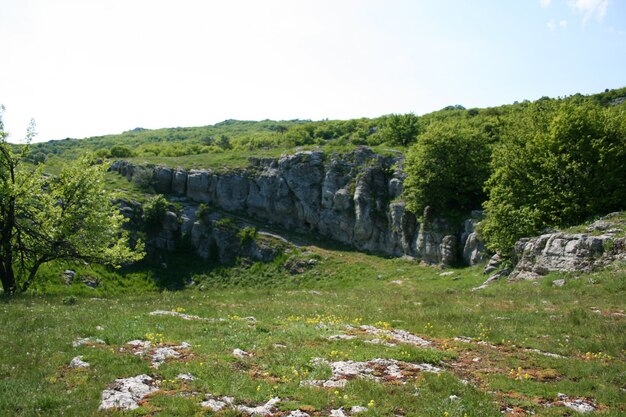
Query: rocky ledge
[
  {"x": 353, "y": 198},
  {"x": 601, "y": 244}
]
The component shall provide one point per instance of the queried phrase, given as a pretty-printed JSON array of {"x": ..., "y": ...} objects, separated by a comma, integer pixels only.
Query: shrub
[
  {"x": 120, "y": 151},
  {"x": 154, "y": 210},
  {"x": 559, "y": 164}
]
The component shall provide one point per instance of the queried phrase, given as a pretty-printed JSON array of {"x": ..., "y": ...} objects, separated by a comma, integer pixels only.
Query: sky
[{"x": 83, "y": 68}]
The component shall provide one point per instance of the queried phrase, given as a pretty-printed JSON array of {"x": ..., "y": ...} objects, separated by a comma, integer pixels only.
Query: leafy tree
[
  {"x": 154, "y": 210},
  {"x": 447, "y": 169},
  {"x": 401, "y": 129},
  {"x": 558, "y": 164},
  {"x": 120, "y": 151},
  {"x": 67, "y": 217}
]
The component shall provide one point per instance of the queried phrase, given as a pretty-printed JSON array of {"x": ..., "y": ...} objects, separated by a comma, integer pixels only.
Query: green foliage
[
  {"x": 247, "y": 235},
  {"x": 558, "y": 164},
  {"x": 447, "y": 169},
  {"x": 120, "y": 151},
  {"x": 154, "y": 210},
  {"x": 401, "y": 129},
  {"x": 44, "y": 218},
  {"x": 142, "y": 178}
]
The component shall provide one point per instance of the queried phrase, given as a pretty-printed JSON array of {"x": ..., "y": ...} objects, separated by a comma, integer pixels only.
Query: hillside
[{"x": 337, "y": 268}]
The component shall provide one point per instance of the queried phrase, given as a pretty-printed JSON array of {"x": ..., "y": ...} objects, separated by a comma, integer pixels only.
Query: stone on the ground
[
  {"x": 185, "y": 377},
  {"x": 261, "y": 410},
  {"x": 175, "y": 314},
  {"x": 297, "y": 413},
  {"x": 338, "y": 413},
  {"x": 493, "y": 264},
  {"x": 77, "y": 362},
  {"x": 579, "y": 405},
  {"x": 240, "y": 353},
  {"x": 87, "y": 341},
  {"x": 558, "y": 282},
  {"x": 358, "y": 409},
  {"x": 217, "y": 404},
  {"x": 125, "y": 393}
]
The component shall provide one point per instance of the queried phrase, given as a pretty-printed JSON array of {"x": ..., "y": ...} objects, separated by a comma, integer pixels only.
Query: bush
[
  {"x": 447, "y": 168},
  {"x": 559, "y": 164},
  {"x": 247, "y": 235},
  {"x": 154, "y": 210},
  {"x": 120, "y": 151},
  {"x": 142, "y": 178}
]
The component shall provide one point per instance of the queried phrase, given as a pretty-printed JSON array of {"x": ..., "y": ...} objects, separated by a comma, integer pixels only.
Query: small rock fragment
[
  {"x": 558, "y": 282},
  {"x": 78, "y": 362},
  {"x": 358, "y": 409},
  {"x": 240, "y": 354},
  {"x": 87, "y": 341},
  {"x": 126, "y": 393},
  {"x": 185, "y": 377},
  {"x": 338, "y": 413}
]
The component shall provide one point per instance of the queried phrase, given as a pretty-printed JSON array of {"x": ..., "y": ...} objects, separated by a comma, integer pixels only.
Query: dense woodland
[{"x": 531, "y": 165}]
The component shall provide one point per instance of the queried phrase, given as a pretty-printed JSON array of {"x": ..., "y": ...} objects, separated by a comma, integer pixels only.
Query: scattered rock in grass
[
  {"x": 342, "y": 337},
  {"x": 185, "y": 377},
  {"x": 78, "y": 362},
  {"x": 580, "y": 405},
  {"x": 250, "y": 319},
  {"x": 126, "y": 393},
  {"x": 558, "y": 282},
  {"x": 217, "y": 404},
  {"x": 240, "y": 354},
  {"x": 445, "y": 274},
  {"x": 279, "y": 346},
  {"x": 541, "y": 352},
  {"x": 358, "y": 409},
  {"x": 394, "y": 335},
  {"x": 99, "y": 328},
  {"x": 454, "y": 398},
  {"x": 397, "y": 282},
  {"x": 261, "y": 410},
  {"x": 298, "y": 413},
  {"x": 500, "y": 274},
  {"x": 158, "y": 353},
  {"x": 87, "y": 341},
  {"x": 338, "y": 413},
  {"x": 175, "y": 314},
  {"x": 493, "y": 264},
  {"x": 379, "y": 370}
]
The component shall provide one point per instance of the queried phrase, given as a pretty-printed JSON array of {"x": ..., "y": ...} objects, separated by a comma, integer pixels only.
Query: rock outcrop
[
  {"x": 354, "y": 198},
  {"x": 213, "y": 236},
  {"x": 566, "y": 252}
]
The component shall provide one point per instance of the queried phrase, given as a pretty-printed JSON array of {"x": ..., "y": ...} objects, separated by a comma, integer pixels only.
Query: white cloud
[
  {"x": 554, "y": 25},
  {"x": 545, "y": 3},
  {"x": 551, "y": 24},
  {"x": 590, "y": 8},
  {"x": 563, "y": 24}
]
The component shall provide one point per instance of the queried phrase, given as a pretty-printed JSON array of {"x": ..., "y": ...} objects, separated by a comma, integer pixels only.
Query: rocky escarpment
[
  {"x": 212, "y": 236},
  {"x": 353, "y": 198},
  {"x": 600, "y": 246}
]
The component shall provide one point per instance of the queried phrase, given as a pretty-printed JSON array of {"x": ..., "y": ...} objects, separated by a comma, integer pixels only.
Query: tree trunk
[
  {"x": 8, "y": 280},
  {"x": 31, "y": 275}
]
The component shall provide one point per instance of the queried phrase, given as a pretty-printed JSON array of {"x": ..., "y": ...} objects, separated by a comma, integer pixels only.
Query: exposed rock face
[
  {"x": 562, "y": 252},
  {"x": 567, "y": 252},
  {"x": 354, "y": 198},
  {"x": 474, "y": 249}
]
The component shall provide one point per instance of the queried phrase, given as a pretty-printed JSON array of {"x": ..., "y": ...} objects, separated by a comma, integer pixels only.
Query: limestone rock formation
[
  {"x": 567, "y": 252},
  {"x": 353, "y": 198}
]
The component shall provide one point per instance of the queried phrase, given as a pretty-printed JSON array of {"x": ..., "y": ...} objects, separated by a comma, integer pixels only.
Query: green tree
[
  {"x": 45, "y": 218},
  {"x": 401, "y": 129},
  {"x": 447, "y": 169},
  {"x": 558, "y": 164},
  {"x": 120, "y": 151}
]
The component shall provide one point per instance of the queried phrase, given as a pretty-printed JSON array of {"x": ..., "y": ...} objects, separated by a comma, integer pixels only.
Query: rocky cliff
[
  {"x": 601, "y": 244},
  {"x": 353, "y": 198}
]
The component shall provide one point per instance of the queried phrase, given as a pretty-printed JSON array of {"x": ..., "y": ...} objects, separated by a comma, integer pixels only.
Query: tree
[
  {"x": 65, "y": 217},
  {"x": 558, "y": 165},
  {"x": 401, "y": 129},
  {"x": 447, "y": 169}
]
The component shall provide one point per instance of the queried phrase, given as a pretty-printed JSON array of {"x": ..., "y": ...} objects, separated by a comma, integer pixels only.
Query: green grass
[{"x": 300, "y": 312}]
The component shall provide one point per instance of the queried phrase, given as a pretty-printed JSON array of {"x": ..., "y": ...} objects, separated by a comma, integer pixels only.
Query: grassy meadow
[{"x": 490, "y": 345}]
